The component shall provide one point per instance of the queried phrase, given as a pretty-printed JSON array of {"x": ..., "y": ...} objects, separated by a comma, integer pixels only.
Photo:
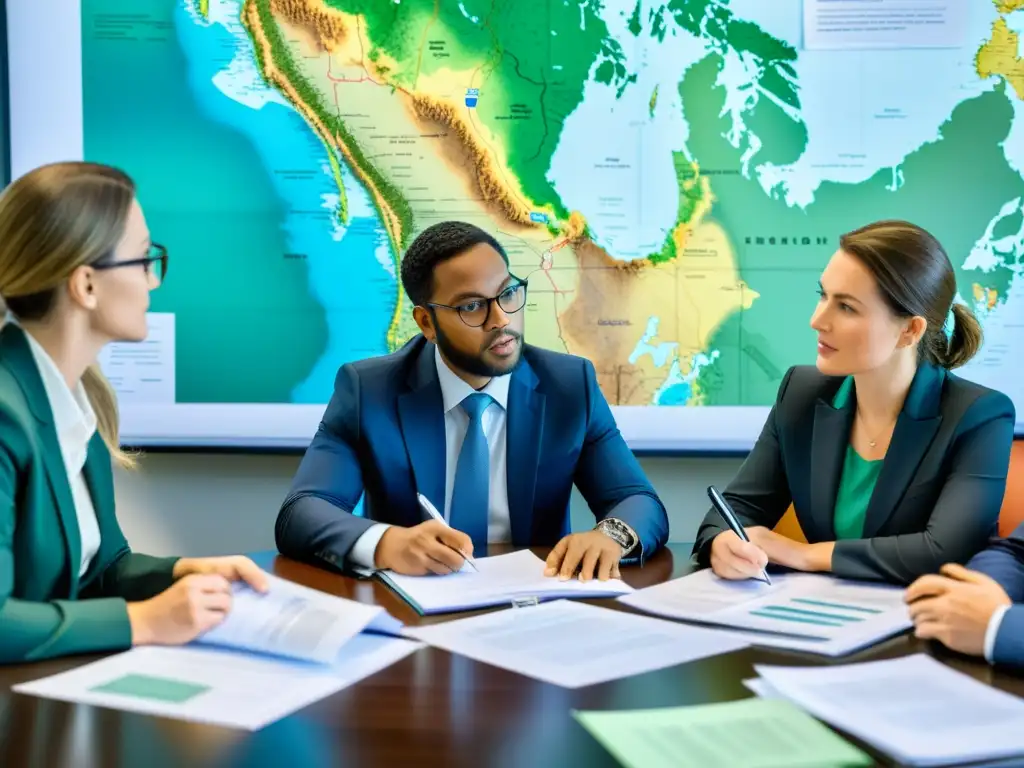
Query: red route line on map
[{"x": 549, "y": 257}]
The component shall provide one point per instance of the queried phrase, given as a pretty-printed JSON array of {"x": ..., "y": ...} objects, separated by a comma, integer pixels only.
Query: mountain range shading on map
[{"x": 671, "y": 177}]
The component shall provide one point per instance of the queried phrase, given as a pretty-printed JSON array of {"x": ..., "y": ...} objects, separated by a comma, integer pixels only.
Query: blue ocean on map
[{"x": 350, "y": 274}]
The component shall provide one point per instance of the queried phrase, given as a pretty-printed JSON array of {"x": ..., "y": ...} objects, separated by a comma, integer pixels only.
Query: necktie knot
[{"x": 475, "y": 404}]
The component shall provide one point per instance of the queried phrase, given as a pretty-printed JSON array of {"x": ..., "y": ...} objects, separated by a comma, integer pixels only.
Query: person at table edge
[
  {"x": 76, "y": 269},
  {"x": 893, "y": 464},
  {"x": 493, "y": 431},
  {"x": 977, "y": 609}
]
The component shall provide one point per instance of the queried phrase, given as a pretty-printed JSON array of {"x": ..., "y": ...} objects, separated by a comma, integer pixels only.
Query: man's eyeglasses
[
  {"x": 155, "y": 261},
  {"x": 475, "y": 313}
]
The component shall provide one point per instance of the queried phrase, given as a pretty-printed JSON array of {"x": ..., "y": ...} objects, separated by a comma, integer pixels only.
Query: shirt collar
[
  {"x": 73, "y": 416},
  {"x": 454, "y": 390}
]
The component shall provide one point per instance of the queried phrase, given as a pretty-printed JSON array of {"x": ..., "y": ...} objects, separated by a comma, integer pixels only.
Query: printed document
[
  {"x": 499, "y": 581},
  {"x": 574, "y": 644},
  {"x": 294, "y": 621},
  {"x": 751, "y": 733},
  {"x": 915, "y": 709},
  {"x": 802, "y": 611},
  {"x": 215, "y": 685}
]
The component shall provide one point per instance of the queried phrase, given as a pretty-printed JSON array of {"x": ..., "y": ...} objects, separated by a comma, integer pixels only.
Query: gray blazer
[{"x": 938, "y": 494}]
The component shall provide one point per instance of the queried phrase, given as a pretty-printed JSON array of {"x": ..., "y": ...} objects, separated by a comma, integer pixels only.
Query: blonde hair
[{"x": 53, "y": 220}]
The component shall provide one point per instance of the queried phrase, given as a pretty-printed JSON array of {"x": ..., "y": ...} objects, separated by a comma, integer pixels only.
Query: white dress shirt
[
  {"x": 75, "y": 423},
  {"x": 993, "y": 630},
  {"x": 453, "y": 391}
]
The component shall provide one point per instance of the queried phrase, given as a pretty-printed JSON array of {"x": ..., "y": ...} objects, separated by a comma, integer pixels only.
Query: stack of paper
[
  {"x": 499, "y": 580},
  {"x": 575, "y": 644},
  {"x": 748, "y": 733},
  {"x": 802, "y": 611},
  {"x": 915, "y": 709},
  {"x": 274, "y": 653}
]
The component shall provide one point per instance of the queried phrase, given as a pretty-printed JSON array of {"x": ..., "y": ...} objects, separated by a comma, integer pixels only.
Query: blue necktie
[{"x": 471, "y": 492}]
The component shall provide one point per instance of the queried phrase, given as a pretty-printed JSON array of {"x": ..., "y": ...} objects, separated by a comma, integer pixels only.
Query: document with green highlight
[
  {"x": 811, "y": 612},
  {"x": 754, "y": 733}
]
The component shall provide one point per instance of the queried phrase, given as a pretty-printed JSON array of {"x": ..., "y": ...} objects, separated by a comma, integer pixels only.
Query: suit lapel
[
  {"x": 98, "y": 479},
  {"x": 421, "y": 415},
  {"x": 58, "y": 478},
  {"x": 17, "y": 356},
  {"x": 101, "y": 486},
  {"x": 912, "y": 436},
  {"x": 525, "y": 427},
  {"x": 830, "y": 438}
]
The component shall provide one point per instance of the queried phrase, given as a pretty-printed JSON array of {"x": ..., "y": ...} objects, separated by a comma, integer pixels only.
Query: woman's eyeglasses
[{"x": 154, "y": 262}]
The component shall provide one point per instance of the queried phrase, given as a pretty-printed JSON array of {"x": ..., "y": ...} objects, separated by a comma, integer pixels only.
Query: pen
[
  {"x": 718, "y": 500},
  {"x": 432, "y": 511}
]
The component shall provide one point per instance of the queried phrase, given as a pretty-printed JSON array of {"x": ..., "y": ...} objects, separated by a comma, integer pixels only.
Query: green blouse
[{"x": 857, "y": 482}]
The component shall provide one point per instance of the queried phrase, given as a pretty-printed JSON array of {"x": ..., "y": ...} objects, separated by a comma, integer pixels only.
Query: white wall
[{"x": 209, "y": 504}]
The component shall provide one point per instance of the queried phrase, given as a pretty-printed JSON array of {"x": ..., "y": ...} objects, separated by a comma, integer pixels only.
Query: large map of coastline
[{"x": 671, "y": 177}]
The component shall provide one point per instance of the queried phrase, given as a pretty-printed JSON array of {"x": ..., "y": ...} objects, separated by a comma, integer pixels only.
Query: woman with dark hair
[{"x": 893, "y": 464}]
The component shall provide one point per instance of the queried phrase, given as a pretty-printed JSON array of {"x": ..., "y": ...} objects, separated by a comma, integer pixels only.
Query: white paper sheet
[
  {"x": 872, "y": 24},
  {"x": 799, "y": 611},
  {"x": 913, "y": 708},
  {"x": 760, "y": 688},
  {"x": 215, "y": 685},
  {"x": 292, "y": 620},
  {"x": 574, "y": 644},
  {"x": 500, "y": 579}
]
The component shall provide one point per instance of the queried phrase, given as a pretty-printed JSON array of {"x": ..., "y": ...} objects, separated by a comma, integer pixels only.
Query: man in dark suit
[
  {"x": 491, "y": 431},
  {"x": 979, "y": 609}
]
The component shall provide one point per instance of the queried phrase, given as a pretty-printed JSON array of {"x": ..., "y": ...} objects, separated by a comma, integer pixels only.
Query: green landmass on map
[
  {"x": 526, "y": 72},
  {"x": 532, "y": 63},
  {"x": 282, "y": 59},
  {"x": 766, "y": 229}
]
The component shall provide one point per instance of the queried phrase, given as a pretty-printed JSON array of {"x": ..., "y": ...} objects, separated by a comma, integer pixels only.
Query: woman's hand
[
  {"x": 232, "y": 568},
  {"x": 198, "y": 601},
  {"x": 733, "y": 558},
  {"x": 191, "y": 606}
]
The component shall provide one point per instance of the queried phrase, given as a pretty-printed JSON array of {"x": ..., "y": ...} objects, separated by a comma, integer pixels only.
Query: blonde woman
[{"x": 76, "y": 269}]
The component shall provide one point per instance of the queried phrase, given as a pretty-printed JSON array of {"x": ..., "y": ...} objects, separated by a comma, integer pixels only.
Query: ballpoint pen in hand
[
  {"x": 732, "y": 521},
  {"x": 432, "y": 511}
]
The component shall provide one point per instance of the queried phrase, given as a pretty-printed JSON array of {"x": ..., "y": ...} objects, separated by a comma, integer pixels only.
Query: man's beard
[{"x": 475, "y": 365}]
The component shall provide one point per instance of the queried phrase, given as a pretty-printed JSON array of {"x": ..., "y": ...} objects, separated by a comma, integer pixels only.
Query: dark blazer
[
  {"x": 383, "y": 433},
  {"x": 1003, "y": 560},
  {"x": 938, "y": 493},
  {"x": 45, "y": 609}
]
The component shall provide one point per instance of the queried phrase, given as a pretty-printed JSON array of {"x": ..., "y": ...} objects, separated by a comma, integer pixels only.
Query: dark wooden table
[{"x": 431, "y": 708}]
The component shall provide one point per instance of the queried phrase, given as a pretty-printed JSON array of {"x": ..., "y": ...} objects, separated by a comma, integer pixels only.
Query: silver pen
[{"x": 432, "y": 511}]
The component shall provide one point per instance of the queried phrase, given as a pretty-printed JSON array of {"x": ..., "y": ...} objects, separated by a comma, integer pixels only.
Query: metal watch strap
[{"x": 619, "y": 532}]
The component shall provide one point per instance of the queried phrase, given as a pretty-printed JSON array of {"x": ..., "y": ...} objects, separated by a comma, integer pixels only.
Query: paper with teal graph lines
[{"x": 803, "y": 611}]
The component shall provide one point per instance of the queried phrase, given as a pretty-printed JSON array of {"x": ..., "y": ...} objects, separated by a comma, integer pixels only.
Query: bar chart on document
[
  {"x": 802, "y": 605},
  {"x": 815, "y": 612}
]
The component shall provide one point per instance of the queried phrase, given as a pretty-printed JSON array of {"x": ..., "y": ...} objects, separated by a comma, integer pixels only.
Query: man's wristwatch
[{"x": 623, "y": 535}]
